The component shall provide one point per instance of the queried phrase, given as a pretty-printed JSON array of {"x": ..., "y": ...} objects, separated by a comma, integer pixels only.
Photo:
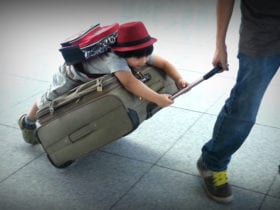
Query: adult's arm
[{"x": 224, "y": 10}]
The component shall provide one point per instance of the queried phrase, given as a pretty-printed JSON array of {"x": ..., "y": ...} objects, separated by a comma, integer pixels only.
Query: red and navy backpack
[{"x": 92, "y": 42}]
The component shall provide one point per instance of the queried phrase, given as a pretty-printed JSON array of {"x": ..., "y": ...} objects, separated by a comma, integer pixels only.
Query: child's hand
[
  {"x": 164, "y": 100},
  {"x": 181, "y": 83}
]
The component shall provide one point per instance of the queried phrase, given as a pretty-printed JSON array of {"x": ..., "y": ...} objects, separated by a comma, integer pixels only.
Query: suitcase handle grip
[
  {"x": 212, "y": 72},
  {"x": 84, "y": 131}
]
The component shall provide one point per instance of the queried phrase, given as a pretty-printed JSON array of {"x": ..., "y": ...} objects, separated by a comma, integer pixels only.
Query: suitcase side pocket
[{"x": 82, "y": 132}]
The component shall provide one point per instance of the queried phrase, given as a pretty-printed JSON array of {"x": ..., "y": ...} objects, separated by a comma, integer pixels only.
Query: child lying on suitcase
[{"x": 133, "y": 49}]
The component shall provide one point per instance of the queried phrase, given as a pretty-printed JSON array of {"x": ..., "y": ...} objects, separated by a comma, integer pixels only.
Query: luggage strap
[
  {"x": 79, "y": 67},
  {"x": 77, "y": 93}
]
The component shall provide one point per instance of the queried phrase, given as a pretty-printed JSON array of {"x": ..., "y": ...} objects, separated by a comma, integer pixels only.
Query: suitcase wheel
[{"x": 64, "y": 165}]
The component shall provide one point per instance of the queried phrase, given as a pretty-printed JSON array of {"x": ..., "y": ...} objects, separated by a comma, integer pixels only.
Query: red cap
[{"x": 133, "y": 36}]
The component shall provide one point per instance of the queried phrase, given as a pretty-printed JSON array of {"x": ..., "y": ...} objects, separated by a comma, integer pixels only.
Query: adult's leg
[{"x": 238, "y": 115}]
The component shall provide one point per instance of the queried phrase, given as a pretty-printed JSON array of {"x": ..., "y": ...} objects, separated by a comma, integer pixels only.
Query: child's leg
[
  {"x": 32, "y": 113},
  {"x": 27, "y": 124}
]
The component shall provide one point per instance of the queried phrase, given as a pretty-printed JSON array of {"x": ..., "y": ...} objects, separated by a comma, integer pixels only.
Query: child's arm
[
  {"x": 135, "y": 86},
  {"x": 170, "y": 70}
]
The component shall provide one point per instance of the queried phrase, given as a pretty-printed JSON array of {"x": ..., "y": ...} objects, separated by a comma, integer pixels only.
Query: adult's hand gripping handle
[
  {"x": 190, "y": 86},
  {"x": 212, "y": 72}
]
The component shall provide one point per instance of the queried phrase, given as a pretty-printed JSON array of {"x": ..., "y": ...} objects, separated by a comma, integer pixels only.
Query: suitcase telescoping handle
[{"x": 190, "y": 86}]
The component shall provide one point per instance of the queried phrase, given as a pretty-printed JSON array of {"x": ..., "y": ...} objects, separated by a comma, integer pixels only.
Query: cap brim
[{"x": 135, "y": 47}]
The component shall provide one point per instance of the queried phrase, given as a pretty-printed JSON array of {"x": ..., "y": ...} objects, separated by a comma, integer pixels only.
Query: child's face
[{"x": 137, "y": 63}]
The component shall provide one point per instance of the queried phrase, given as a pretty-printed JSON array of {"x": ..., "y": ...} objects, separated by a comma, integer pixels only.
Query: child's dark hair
[{"x": 137, "y": 53}]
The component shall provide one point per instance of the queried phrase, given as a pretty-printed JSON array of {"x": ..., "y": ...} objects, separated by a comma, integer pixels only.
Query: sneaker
[
  {"x": 216, "y": 183},
  {"x": 27, "y": 133}
]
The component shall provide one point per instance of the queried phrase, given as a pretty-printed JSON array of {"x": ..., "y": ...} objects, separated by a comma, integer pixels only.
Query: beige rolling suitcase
[{"x": 95, "y": 114}]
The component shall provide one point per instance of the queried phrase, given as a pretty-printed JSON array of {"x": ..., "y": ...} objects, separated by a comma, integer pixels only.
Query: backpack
[{"x": 94, "y": 41}]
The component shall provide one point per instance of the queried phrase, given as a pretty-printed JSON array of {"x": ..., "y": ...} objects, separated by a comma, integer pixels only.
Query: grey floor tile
[
  {"x": 14, "y": 90},
  {"x": 15, "y": 153},
  {"x": 155, "y": 135},
  {"x": 96, "y": 184},
  {"x": 216, "y": 108},
  {"x": 253, "y": 167},
  {"x": 275, "y": 188},
  {"x": 184, "y": 154},
  {"x": 255, "y": 164},
  {"x": 271, "y": 203},
  {"x": 165, "y": 189},
  {"x": 35, "y": 63},
  {"x": 269, "y": 110},
  {"x": 11, "y": 114},
  {"x": 206, "y": 94}
]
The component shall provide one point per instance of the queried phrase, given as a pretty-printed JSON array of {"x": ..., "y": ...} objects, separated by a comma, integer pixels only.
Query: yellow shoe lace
[{"x": 220, "y": 178}]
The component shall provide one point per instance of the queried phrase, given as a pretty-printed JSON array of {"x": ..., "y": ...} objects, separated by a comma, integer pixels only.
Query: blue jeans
[{"x": 239, "y": 112}]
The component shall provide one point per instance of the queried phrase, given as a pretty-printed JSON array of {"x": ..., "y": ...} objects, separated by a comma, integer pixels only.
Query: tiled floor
[{"x": 155, "y": 166}]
